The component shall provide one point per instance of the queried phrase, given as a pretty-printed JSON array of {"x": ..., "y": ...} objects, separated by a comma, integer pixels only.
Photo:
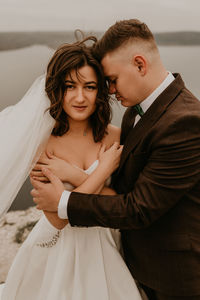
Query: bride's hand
[
  {"x": 109, "y": 159},
  {"x": 59, "y": 167}
]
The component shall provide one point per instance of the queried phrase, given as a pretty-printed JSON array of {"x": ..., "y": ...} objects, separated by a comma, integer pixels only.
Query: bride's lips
[{"x": 79, "y": 108}]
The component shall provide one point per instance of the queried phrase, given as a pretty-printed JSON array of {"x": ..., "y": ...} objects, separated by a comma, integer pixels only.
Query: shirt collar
[{"x": 145, "y": 104}]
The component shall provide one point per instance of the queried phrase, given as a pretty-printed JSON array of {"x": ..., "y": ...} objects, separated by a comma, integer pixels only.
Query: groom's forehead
[
  {"x": 107, "y": 64},
  {"x": 111, "y": 61},
  {"x": 111, "y": 57},
  {"x": 120, "y": 54}
]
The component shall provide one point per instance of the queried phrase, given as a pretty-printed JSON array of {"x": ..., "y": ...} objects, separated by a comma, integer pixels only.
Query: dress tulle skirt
[{"x": 70, "y": 264}]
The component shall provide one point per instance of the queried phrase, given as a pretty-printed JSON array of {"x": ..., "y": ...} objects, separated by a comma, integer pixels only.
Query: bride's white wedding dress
[{"x": 73, "y": 263}]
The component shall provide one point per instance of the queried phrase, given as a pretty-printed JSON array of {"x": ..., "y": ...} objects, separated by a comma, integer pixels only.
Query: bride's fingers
[
  {"x": 36, "y": 173},
  {"x": 43, "y": 161},
  {"x": 42, "y": 178},
  {"x": 102, "y": 149},
  {"x": 120, "y": 149},
  {"x": 39, "y": 167},
  {"x": 116, "y": 145}
]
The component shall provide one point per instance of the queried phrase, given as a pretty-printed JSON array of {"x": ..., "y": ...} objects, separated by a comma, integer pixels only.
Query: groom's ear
[{"x": 139, "y": 61}]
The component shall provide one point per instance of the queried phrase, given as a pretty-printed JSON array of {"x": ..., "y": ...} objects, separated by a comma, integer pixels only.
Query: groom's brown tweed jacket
[{"x": 158, "y": 209}]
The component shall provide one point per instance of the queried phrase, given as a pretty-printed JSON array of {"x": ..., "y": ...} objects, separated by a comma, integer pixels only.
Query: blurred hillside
[
  {"x": 15, "y": 40},
  {"x": 181, "y": 38}
]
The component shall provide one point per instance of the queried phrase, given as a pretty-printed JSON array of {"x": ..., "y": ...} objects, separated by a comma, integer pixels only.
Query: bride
[{"x": 58, "y": 261}]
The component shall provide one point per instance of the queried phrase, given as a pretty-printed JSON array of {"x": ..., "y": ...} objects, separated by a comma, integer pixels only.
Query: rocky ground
[{"x": 14, "y": 228}]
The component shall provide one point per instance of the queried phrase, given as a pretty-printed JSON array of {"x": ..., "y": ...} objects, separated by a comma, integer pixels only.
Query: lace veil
[{"x": 24, "y": 131}]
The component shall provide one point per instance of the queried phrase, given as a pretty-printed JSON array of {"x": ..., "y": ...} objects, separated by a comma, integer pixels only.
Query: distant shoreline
[{"x": 52, "y": 39}]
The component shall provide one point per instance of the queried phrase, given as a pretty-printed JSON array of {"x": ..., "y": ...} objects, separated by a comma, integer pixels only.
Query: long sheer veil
[{"x": 24, "y": 130}]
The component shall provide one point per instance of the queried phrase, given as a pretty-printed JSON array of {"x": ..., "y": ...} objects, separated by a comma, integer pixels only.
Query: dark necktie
[
  {"x": 129, "y": 120},
  {"x": 139, "y": 110}
]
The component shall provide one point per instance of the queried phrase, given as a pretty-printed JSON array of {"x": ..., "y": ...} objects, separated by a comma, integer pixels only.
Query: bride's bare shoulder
[
  {"x": 51, "y": 144},
  {"x": 113, "y": 135}
]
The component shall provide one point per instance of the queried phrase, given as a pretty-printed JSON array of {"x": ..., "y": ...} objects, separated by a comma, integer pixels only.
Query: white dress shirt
[{"x": 145, "y": 104}]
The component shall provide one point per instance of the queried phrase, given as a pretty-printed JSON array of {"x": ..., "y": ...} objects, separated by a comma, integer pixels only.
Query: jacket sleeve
[{"x": 171, "y": 172}]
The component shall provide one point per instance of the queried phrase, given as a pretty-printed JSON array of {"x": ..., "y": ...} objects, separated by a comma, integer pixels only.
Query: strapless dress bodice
[{"x": 88, "y": 171}]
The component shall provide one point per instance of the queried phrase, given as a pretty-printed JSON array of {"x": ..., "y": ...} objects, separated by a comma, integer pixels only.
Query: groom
[{"x": 158, "y": 180}]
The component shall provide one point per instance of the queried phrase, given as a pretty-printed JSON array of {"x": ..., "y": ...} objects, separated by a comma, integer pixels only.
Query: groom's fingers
[
  {"x": 35, "y": 200},
  {"x": 37, "y": 206},
  {"x": 34, "y": 193},
  {"x": 36, "y": 184}
]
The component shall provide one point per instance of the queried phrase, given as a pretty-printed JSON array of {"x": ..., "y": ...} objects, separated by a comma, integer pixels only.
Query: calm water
[{"x": 20, "y": 67}]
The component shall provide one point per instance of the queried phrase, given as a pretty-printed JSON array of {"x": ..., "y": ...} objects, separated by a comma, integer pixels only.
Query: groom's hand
[{"x": 47, "y": 195}]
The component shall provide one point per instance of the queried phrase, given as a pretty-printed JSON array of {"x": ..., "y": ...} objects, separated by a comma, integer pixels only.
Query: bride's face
[{"x": 81, "y": 92}]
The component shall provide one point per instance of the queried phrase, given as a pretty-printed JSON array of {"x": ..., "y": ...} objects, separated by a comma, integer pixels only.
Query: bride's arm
[
  {"x": 55, "y": 220},
  {"x": 96, "y": 181},
  {"x": 108, "y": 163},
  {"x": 93, "y": 183},
  {"x": 65, "y": 171}
]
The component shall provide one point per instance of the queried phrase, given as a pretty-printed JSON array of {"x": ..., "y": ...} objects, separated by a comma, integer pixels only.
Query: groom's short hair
[{"x": 121, "y": 33}]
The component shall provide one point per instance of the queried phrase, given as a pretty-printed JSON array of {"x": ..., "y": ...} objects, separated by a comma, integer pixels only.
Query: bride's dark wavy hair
[{"x": 70, "y": 57}]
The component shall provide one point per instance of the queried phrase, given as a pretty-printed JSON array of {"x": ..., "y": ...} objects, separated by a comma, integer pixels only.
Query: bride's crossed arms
[{"x": 69, "y": 157}]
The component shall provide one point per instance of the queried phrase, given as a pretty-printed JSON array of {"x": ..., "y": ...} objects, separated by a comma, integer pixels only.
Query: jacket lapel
[{"x": 151, "y": 116}]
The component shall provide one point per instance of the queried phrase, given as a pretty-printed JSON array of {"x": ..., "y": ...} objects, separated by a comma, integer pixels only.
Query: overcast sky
[{"x": 160, "y": 15}]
